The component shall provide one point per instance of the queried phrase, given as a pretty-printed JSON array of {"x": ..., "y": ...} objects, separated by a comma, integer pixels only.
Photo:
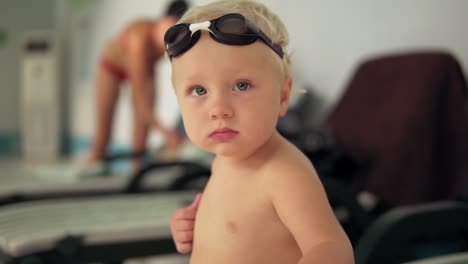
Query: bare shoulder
[
  {"x": 290, "y": 164},
  {"x": 290, "y": 175}
]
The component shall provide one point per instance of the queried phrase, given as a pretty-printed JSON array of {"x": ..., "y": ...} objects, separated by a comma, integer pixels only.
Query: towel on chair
[{"x": 407, "y": 114}]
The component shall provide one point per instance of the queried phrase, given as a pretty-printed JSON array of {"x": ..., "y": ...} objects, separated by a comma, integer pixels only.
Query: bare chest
[
  {"x": 238, "y": 220},
  {"x": 232, "y": 214}
]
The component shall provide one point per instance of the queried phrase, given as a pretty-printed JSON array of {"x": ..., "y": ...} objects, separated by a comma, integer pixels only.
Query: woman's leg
[
  {"x": 107, "y": 93},
  {"x": 140, "y": 127}
]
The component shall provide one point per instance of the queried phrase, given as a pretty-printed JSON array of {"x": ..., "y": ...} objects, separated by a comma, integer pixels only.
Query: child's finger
[
  {"x": 183, "y": 237},
  {"x": 184, "y": 213},
  {"x": 196, "y": 201},
  {"x": 183, "y": 225},
  {"x": 184, "y": 248}
]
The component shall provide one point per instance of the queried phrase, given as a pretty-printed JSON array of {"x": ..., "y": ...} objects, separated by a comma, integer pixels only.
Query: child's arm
[
  {"x": 182, "y": 224},
  {"x": 302, "y": 205}
]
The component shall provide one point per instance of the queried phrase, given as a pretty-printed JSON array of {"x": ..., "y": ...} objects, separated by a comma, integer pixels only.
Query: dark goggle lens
[
  {"x": 232, "y": 25},
  {"x": 176, "y": 33}
]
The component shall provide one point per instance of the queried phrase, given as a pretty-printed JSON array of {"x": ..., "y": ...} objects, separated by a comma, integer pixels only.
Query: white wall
[{"x": 328, "y": 39}]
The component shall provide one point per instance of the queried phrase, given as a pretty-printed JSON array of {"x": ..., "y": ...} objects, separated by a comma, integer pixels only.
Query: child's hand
[{"x": 182, "y": 224}]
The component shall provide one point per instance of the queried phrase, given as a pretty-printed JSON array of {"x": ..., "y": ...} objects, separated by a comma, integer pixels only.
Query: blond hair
[{"x": 258, "y": 13}]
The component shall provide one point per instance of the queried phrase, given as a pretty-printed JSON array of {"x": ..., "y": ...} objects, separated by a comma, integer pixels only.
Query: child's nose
[{"x": 221, "y": 110}]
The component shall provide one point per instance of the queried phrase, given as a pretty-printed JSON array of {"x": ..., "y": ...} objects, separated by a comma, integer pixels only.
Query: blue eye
[
  {"x": 198, "y": 91},
  {"x": 242, "y": 86}
]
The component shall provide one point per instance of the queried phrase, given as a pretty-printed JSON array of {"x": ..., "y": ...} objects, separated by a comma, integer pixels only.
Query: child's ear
[{"x": 284, "y": 96}]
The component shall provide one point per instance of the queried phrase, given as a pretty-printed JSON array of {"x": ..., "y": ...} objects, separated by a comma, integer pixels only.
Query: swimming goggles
[{"x": 230, "y": 29}]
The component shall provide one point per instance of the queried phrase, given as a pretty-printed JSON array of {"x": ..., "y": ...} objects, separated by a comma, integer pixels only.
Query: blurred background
[
  {"x": 328, "y": 40},
  {"x": 52, "y": 106}
]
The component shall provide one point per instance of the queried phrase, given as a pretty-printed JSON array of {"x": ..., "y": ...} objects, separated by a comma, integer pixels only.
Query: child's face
[{"x": 230, "y": 97}]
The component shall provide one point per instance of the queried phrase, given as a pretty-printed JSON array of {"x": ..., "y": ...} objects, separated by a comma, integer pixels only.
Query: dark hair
[{"x": 177, "y": 8}]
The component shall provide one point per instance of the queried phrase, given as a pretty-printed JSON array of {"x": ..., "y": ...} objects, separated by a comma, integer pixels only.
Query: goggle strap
[{"x": 199, "y": 26}]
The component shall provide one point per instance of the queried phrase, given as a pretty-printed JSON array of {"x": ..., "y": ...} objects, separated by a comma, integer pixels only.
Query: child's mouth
[{"x": 223, "y": 134}]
